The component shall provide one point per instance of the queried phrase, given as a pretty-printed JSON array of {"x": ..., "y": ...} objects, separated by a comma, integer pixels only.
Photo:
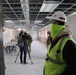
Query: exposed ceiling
[{"x": 20, "y": 13}]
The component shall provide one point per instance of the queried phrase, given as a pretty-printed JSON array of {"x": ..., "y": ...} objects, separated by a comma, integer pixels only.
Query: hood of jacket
[{"x": 66, "y": 30}]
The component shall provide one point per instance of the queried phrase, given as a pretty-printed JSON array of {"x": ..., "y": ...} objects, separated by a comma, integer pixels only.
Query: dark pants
[{"x": 23, "y": 50}]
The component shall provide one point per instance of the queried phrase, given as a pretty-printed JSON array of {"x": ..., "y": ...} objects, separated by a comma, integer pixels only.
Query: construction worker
[{"x": 61, "y": 56}]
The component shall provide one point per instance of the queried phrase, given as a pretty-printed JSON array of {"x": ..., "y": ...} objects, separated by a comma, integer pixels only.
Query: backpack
[{"x": 20, "y": 41}]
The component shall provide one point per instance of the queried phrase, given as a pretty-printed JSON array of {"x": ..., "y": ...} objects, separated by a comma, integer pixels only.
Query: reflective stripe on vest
[{"x": 54, "y": 61}]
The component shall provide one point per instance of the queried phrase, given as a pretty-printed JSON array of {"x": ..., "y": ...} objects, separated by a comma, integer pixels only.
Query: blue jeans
[{"x": 23, "y": 50}]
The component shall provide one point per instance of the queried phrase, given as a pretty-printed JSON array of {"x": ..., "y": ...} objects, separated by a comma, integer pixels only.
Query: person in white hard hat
[{"x": 61, "y": 56}]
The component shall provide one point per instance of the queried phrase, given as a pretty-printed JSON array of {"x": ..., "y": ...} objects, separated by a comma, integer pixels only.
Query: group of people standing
[
  {"x": 24, "y": 43},
  {"x": 61, "y": 54}
]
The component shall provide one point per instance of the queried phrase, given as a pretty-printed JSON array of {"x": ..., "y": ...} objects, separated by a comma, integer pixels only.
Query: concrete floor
[{"x": 38, "y": 54}]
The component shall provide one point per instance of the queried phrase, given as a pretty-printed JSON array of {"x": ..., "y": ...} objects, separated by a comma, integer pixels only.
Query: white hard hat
[{"x": 59, "y": 15}]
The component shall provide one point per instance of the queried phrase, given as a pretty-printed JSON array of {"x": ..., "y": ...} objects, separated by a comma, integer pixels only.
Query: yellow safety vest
[{"x": 55, "y": 65}]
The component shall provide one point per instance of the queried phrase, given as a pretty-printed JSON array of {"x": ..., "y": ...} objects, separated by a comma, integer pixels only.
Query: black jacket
[
  {"x": 24, "y": 37},
  {"x": 69, "y": 55}
]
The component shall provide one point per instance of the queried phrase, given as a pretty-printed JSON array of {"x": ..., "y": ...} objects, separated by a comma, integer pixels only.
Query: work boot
[
  {"x": 21, "y": 62},
  {"x": 25, "y": 63}
]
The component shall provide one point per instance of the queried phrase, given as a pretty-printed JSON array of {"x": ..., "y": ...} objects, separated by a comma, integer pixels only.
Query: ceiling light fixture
[
  {"x": 48, "y": 7},
  {"x": 9, "y": 21},
  {"x": 38, "y": 21},
  {"x": 41, "y": 24},
  {"x": 74, "y": 13}
]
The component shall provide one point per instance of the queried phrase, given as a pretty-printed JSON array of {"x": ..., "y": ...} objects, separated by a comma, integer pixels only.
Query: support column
[{"x": 2, "y": 66}]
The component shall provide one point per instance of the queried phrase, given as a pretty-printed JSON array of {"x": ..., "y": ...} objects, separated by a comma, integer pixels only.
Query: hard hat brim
[{"x": 52, "y": 18}]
